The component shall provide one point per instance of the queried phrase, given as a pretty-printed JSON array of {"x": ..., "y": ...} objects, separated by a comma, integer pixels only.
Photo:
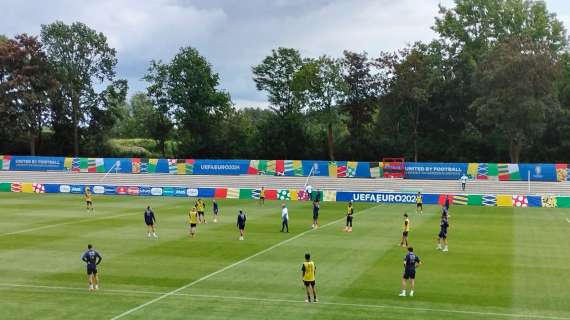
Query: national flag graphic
[
  {"x": 68, "y": 163},
  {"x": 508, "y": 171},
  {"x": 520, "y": 201},
  {"x": 472, "y": 169},
  {"x": 152, "y": 165},
  {"x": 181, "y": 166},
  {"x": 482, "y": 172},
  {"x": 255, "y": 193},
  {"x": 489, "y": 200},
  {"x": 284, "y": 194},
  {"x": 270, "y": 167},
  {"x": 288, "y": 167},
  {"x": 351, "y": 169},
  {"x": 136, "y": 165},
  {"x": 144, "y": 165},
  {"x": 548, "y": 201},
  {"x": 100, "y": 164},
  {"x": 375, "y": 169},
  {"x": 172, "y": 166},
  {"x": 298, "y": 168},
  {"x": 84, "y": 164},
  {"x": 492, "y": 171},
  {"x": 91, "y": 165},
  {"x": 341, "y": 169},
  {"x": 233, "y": 193},
  {"x": 75, "y": 164},
  {"x": 460, "y": 199},
  {"x": 38, "y": 188},
  {"x": 253, "y": 167},
  {"x": 190, "y": 166},
  {"x": 280, "y": 167},
  {"x": 332, "y": 169},
  {"x": 5, "y": 164},
  {"x": 561, "y": 172},
  {"x": 16, "y": 187}
]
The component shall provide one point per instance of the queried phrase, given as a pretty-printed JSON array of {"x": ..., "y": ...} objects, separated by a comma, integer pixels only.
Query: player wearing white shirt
[
  {"x": 284, "y": 218},
  {"x": 463, "y": 181}
]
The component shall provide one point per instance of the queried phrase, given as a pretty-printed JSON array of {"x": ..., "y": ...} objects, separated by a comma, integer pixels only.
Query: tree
[
  {"x": 516, "y": 83},
  {"x": 25, "y": 85},
  {"x": 410, "y": 79},
  {"x": 275, "y": 75},
  {"x": 80, "y": 58},
  {"x": 157, "y": 121},
  {"x": 321, "y": 82},
  {"x": 360, "y": 102}
]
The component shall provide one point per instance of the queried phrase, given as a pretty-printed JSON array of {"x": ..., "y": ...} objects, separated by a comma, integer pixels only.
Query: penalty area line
[
  {"x": 290, "y": 301},
  {"x": 235, "y": 264}
]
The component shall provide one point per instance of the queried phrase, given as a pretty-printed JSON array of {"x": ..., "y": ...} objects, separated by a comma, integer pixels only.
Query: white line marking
[
  {"x": 241, "y": 298},
  {"x": 166, "y": 295},
  {"x": 66, "y": 223},
  {"x": 568, "y": 220}
]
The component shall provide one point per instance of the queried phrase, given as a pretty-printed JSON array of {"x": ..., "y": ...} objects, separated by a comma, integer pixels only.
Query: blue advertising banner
[
  {"x": 25, "y": 163},
  {"x": 363, "y": 170},
  {"x": 77, "y": 189},
  {"x": 221, "y": 167},
  {"x": 206, "y": 192},
  {"x": 430, "y": 198},
  {"x": 144, "y": 191},
  {"x": 538, "y": 171},
  {"x": 319, "y": 168},
  {"x": 180, "y": 192},
  {"x": 110, "y": 190},
  {"x": 168, "y": 191},
  {"x": 435, "y": 171},
  {"x": 51, "y": 188},
  {"x": 377, "y": 197}
]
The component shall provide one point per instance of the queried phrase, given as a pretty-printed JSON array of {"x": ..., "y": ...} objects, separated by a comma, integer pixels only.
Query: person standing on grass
[
  {"x": 463, "y": 181},
  {"x": 411, "y": 262},
  {"x": 262, "y": 196},
  {"x": 284, "y": 217},
  {"x": 92, "y": 258},
  {"x": 150, "y": 220},
  {"x": 308, "y": 274},
  {"x": 406, "y": 230},
  {"x": 215, "y": 209},
  {"x": 349, "y": 213},
  {"x": 442, "y": 237},
  {"x": 241, "y": 218},
  {"x": 200, "y": 206},
  {"x": 419, "y": 203},
  {"x": 89, "y": 200},
  {"x": 193, "y": 221},
  {"x": 316, "y": 208}
]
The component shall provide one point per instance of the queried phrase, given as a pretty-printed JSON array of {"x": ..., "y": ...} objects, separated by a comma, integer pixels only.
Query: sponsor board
[
  {"x": 376, "y": 197},
  {"x": 64, "y": 188},
  {"x": 180, "y": 192},
  {"x": 121, "y": 190},
  {"x": 156, "y": 191},
  {"x": 76, "y": 189},
  {"x": 168, "y": 191},
  {"x": 435, "y": 171},
  {"x": 98, "y": 189},
  {"x": 144, "y": 191},
  {"x": 110, "y": 190},
  {"x": 133, "y": 191},
  {"x": 192, "y": 192}
]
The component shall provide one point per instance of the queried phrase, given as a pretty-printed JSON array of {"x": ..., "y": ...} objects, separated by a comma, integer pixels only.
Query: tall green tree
[
  {"x": 157, "y": 121},
  {"x": 81, "y": 58},
  {"x": 321, "y": 82},
  {"x": 25, "y": 84},
  {"x": 516, "y": 83}
]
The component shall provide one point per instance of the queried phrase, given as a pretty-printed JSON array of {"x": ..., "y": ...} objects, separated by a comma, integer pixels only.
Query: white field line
[
  {"x": 568, "y": 220},
  {"x": 289, "y": 301},
  {"x": 67, "y": 223},
  {"x": 235, "y": 264}
]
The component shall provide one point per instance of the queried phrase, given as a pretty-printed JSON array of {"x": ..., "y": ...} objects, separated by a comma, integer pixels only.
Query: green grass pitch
[{"x": 503, "y": 263}]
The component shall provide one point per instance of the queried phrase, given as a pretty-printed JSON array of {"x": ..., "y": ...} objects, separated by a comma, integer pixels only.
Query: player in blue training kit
[
  {"x": 443, "y": 225},
  {"x": 216, "y": 210},
  {"x": 150, "y": 220},
  {"x": 92, "y": 258},
  {"x": 241, "y": 223},
  {"x": 411, "y": 262}
]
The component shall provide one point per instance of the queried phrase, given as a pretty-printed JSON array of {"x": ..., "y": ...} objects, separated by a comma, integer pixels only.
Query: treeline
[{"x": 493, "y": 86}]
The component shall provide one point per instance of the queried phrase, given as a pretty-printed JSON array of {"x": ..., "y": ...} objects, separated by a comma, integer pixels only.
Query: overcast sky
[{"x": 236, "y": 34}]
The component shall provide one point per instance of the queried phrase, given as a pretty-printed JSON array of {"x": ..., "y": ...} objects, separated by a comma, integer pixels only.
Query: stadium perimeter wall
[{"x": 297, "y": 168}]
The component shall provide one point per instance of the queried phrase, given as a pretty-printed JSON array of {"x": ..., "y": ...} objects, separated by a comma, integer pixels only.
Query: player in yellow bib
[
  {"x": 419, "y": 203},
  {"x": 406, "y": 229},
  {"x": 200, "y": 206},
  {"x": 89, "y": 200},
  {"x": 262, "y": 196},
  {"x": 349, "y": 214},
  {"x": 308, "y": 273},
  {"x": 193, "y": 221}
]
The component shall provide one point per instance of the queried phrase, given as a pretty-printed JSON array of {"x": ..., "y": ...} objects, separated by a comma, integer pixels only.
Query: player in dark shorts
[
  {"x": 241, "y": 218},
  {"x": 200, "y": 206},
  {"x": 262, "y": 196},
  {"x": 316, "y": 208},
  {"x": 308, "y": 274},
  {"x": 92, "y": 258},
  {"x": 419, "y": 203},
  {"x": 442, "y": 236},
  {"x": 411, "y": 262},
  {"x": 216, "y": 210},
  {"x": 349, "y": 213},
  {"x": 150, "y": 220}
]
